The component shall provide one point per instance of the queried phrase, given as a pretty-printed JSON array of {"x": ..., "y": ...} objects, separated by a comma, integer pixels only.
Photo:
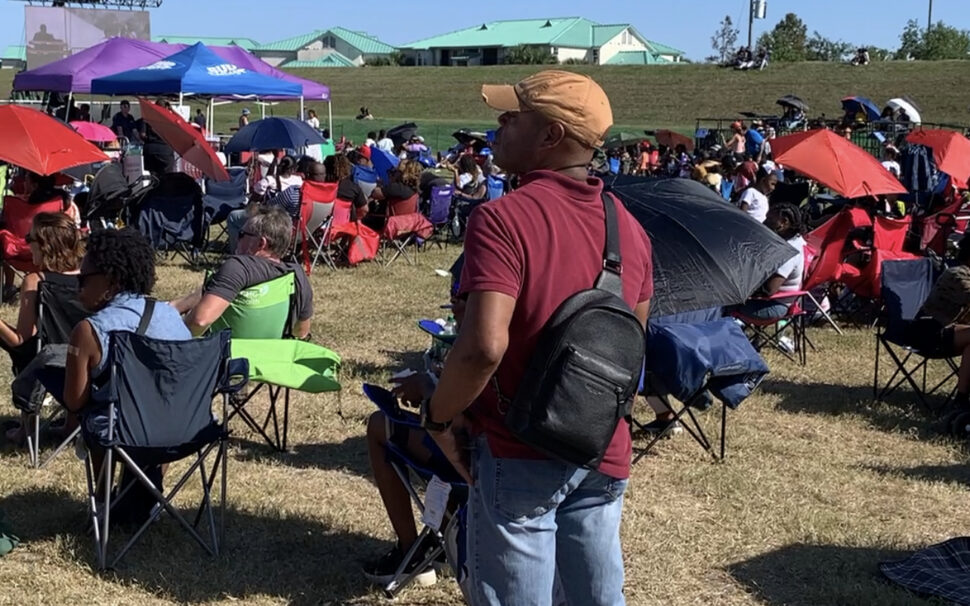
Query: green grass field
[{"x": 444, "y": 99}]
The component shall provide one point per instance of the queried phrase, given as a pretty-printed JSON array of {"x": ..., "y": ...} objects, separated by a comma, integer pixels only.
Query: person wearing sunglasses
[
  {"x": 263, "y": 240},
  {"x": 56, "y": 249}
]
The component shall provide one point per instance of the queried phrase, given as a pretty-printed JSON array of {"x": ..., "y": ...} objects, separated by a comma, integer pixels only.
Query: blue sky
[{"x": 685, "y": 24}]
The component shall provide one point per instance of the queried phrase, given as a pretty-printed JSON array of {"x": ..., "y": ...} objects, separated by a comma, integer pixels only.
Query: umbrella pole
[
  {"x": 302, "y": 115},
  {"x": 67, "y": 108},
  {"x": 330, "y": 116}
]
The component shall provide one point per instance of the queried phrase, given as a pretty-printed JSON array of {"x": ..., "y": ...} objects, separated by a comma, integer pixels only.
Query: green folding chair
[
  {"x": 263, "y": 312},
  {"x": 260, "y": 319}
]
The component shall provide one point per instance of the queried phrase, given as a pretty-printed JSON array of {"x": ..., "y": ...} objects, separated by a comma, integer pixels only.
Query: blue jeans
[
  {"x": 235, "y": 221},
  {"x": 529, "y": 519},
  {"x": 764, "y": 309}
]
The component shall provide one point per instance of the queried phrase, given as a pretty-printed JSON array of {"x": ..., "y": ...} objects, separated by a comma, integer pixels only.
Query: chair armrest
[{"x": 238, "y": 375}]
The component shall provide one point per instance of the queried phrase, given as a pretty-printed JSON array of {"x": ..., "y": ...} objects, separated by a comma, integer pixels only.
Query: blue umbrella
[
  {"x": 273, "y": 133},
  {"x": 383, "y": 162},
  {"x": 855, "y": 104}
]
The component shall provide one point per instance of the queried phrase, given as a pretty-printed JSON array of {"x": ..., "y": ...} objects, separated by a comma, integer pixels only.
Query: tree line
[{"x": 789, "y": 41}]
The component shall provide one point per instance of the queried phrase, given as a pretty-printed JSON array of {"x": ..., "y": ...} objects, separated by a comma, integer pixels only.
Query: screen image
[{"x": 53, "y": 33}]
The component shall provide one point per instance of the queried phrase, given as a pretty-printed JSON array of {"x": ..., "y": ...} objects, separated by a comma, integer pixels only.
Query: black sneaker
[
  {"x": 381, "y": 572},
  {"x": 944, "y": 424},
  {"x": 659, "y": 426}
]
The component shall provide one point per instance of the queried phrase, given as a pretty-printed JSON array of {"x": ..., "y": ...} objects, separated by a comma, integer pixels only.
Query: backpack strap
[
  {"x": 610, "y": 278},
  {"x": 146, "y": 317}
]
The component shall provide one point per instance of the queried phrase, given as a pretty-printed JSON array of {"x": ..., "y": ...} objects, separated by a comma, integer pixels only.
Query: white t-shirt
[
  {"x": 757, "y": 204},
  {"x": 793, "y": 269},
  {"x": 314, "y": 123},
  {"x": 385, "y": 144},
  {"x": 369, "y": 142},
  {"x": 892, "y": 166},
  {"x": 466, "y": 178},
  {"x": 267, "y": 185}
]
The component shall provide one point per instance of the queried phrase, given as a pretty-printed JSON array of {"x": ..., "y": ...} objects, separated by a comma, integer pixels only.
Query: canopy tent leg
[
  {"x": 302, "y": 113},
  {"x": 67, "y": 108},
  {"x": 330, "y": 117}
]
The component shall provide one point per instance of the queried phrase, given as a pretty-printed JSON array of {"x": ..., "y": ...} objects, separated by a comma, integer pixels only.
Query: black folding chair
[
  {"x": 155, "y": 409},
  {"x": 905, "y": 286},
  {"x": 58, "y": 312}
]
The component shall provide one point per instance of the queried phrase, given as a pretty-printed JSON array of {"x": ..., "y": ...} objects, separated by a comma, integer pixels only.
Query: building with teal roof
[
  {"x": 14, "y": 57},
  {"x": 246, "y": 43},
  {"x": 566, "y": 38},
  {"x": 334, "y": 47}
]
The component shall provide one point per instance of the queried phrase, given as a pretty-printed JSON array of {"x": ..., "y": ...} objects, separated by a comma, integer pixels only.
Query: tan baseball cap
[{"x": 574, "y": 100}]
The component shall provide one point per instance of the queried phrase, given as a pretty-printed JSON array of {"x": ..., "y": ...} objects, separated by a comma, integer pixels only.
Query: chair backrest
[
  {"x": 614, "y": 164},
  {"x": 18, "y": 214},
  {"x": 316, "y": 203},
  {"x": 341, "y": 211},
  {"x": 162, "y": 390},
  {"x": 890, "y": 234},
  {"x": 261, "y": 311},
  {"x": 366, "y": 178},
  {"x": 403, "y": 207},
  {"x": 440, "y": 207},
  {"x": 232, "y": 191},
  {"x": 905, "y": 286},
  {"x": 496, "y": 187},
  {"x": 59, "y": 311}
]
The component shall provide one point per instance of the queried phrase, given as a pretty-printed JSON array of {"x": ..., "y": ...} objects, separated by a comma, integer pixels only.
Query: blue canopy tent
[{"x": 196, "y": 70}]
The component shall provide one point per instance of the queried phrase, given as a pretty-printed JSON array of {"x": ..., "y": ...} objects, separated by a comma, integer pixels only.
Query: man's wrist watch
[{"x": 427, "y": 423}]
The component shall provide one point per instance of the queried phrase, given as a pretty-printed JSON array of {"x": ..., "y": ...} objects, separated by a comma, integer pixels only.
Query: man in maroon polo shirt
[{"x": 530, "y": 516}]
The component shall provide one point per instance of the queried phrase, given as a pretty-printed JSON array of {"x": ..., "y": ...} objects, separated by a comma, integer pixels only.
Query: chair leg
[{"x": 723, "y": 429}]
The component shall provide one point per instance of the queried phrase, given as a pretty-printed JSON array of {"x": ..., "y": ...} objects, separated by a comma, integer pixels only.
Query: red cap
[{"x": 364, "y": 151}]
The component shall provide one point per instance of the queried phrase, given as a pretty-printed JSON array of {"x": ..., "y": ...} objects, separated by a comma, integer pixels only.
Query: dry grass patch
[{"x": 820, "y": 484}]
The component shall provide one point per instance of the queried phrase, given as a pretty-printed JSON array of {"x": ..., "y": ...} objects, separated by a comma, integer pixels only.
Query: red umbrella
[
  {"x": 92, "y": 131},
  {"x": 185, "y": 140},
  {"x": 951, "y": 151},
  {"x": 42, "y": 144},
  {"x": 835, "y": 162},
  {"x": 672, "y": 139}
]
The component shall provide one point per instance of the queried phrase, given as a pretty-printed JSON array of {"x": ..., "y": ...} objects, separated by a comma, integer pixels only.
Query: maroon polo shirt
[{"x": 542, "y": 244}]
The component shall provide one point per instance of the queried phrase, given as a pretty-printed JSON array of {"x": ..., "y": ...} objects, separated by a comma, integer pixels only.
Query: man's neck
[{"x": 265, "y": 254}]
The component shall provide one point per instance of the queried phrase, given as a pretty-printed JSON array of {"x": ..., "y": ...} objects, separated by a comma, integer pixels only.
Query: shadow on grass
[
  {"x": 371, "y": 372},
  {"x": 349, "y": 455},
  {"x": 953, "y": 473},
  {"x": 808, "y": 575},
  {"x": 296, "y": 559},
  {"x": 835, "y": 400}
]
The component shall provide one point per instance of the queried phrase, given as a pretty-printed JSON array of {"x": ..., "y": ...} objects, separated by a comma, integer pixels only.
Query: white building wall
[
  {"x": 624, "y": 41},
  {"x": 564, "y": 54},
  {"x": 275, "y": 58}
]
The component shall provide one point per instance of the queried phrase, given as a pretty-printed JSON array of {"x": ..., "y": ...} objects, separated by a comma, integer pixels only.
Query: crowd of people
[{"x": 538, "y": 526}]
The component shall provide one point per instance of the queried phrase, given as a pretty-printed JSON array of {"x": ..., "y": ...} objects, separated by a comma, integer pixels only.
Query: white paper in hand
[{"x": 435, "y": 502}]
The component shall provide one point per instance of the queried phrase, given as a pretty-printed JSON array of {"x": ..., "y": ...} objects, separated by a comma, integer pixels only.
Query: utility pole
[
  {"x": 929, "y": 18},
  {"x": 751, "y": 19}
]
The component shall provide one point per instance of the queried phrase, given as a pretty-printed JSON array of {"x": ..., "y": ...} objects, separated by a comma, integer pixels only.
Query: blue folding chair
[
  {"x": 905, "y": 286},
  {"x": 223, "y": 197},
  {"x": 496, "y": 187},
  {"x": 450, "y": 538},
  {"x": 685, "y": 360},
  {"x": 155, "y": 409},
  {"x": 614, "y": 164},
  {"x": 366, "y": 178}
]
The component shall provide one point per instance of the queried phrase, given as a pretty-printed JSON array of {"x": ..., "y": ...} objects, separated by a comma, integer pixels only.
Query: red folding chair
[
  {"x": 18, "y": 219},
  {"x": 316, "y": 210},
  {"x": 890, "y": 234}
]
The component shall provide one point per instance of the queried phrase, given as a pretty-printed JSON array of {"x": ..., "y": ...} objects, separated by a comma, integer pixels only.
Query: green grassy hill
[{"x": 442, "y": 99}]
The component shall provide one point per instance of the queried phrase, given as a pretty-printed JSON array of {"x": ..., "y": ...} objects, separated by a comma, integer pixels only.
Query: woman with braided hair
[{"x": 786, "y": 221}]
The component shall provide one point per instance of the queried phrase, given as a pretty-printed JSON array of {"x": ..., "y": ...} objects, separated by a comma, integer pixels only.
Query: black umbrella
[
  {"x": 793, "y": 101},
  {"x": 706, "y": 253},
  {"x": 402, "y": 133}
]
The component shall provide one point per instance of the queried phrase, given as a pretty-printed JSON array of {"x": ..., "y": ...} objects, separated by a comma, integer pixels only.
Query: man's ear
[{"x": 552, "y": 135}]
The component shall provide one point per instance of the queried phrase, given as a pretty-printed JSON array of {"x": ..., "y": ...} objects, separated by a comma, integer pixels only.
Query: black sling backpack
[{"x": 585, "y": 370}]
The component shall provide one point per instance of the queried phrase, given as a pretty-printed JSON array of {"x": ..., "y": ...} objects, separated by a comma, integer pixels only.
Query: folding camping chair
[
  {"x": 449, "y": 537},
  {"x": 171, "y": 216},
  {"x": 686, "y": 360},
  {"x": 316, "y": 212},
  {"x": 905, "y": 286},
  {"x": 404, "y": 226},
  {"x": 264, "y": 312},
  {"x": 769, "y": 332},
  {"x": 439, "y": 212},
  {"x": 366, "y": 178},
  {"x": 18, "y": 219},
  {"x": 496, "y": 187},
  {"x": 223, "y": 197},
  {"x": 156, "y": 409},
  {"x": 58, "y": 311}
]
